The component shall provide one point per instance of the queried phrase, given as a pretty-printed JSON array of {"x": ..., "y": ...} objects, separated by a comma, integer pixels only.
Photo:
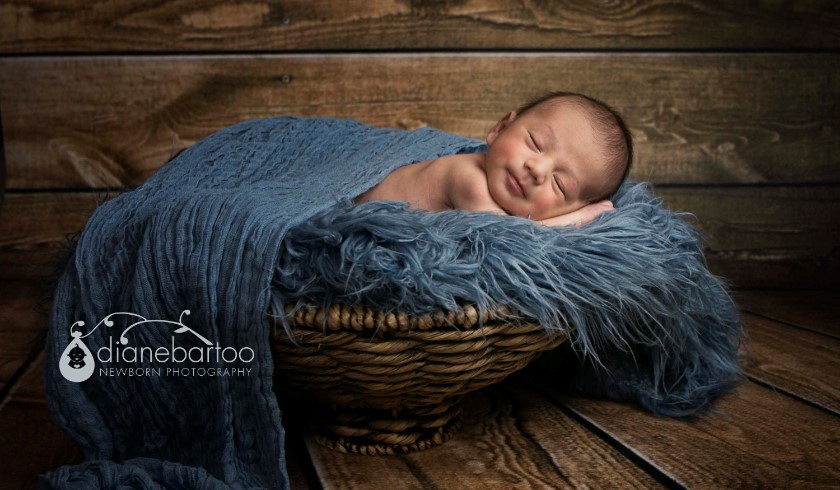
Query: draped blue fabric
[{"x": 202, "y": 235}]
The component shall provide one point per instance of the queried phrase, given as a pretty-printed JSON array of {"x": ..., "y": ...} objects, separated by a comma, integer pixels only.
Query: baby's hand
[{"x": 581, "y": 216}]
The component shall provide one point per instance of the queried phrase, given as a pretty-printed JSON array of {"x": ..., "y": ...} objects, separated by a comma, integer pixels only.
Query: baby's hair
[{"x": 607, "y": 122}]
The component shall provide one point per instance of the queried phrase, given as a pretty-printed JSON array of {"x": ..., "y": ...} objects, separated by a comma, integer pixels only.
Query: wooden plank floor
[{"x": 780, "y": 429}]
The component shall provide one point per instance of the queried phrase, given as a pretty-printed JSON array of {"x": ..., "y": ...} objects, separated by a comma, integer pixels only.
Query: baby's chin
[{"x": 505, "y": 205}]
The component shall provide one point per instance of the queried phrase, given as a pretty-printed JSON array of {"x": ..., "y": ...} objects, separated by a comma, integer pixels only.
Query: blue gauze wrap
[
  {"x": 259, "y": 214},
  {"x": 203, "y": 234}
]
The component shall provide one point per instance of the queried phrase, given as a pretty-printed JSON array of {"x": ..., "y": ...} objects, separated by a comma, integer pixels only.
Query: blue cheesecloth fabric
[
  {"x": 202, "y": 234},
  {"x": 260, "y": 215}
]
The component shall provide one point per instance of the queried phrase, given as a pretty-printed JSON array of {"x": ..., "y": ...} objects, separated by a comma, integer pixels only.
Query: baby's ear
[{"x": 500, "y": 126}]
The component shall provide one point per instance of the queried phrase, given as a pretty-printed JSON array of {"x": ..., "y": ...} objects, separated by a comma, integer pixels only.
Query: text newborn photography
[{"x": 77, "y": 362}]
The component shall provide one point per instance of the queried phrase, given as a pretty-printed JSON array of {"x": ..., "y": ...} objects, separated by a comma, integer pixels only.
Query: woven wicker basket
[{"x": 389, "y": 383}]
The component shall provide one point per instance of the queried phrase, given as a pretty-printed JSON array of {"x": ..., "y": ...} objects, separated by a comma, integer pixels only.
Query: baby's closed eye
[
  {"x": 559, "y": 183},
  {"x": 533, "y": 142}
]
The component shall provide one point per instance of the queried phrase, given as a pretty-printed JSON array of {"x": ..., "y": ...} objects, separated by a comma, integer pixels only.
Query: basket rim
[{"x": 341, "y": 317}]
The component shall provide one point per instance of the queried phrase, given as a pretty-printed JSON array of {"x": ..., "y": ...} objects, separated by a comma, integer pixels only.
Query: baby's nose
[{"x": 540, "y": 167}]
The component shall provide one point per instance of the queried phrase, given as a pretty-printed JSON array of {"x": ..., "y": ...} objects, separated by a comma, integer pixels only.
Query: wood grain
[
  {"x": 511, "y": 438},
  {"x": 30, "y": 441},
  {"x": 31, "y": 444},
  {"x": 797, "y": 361},
  {"x": 109, "y": 122},
  {"x": 766, "y": 237},
  {"x": 757, "y": 439},
  {"x": 298, "y": 463},
  {"x": 30, "y": 387},
  {"x": 20, "y": 325},
  {"x": 179, "y": 25},
  {"x": 818, "y": 311},
  {"x": 2, "y": 162},
  {"x": 33, "y": 230}
]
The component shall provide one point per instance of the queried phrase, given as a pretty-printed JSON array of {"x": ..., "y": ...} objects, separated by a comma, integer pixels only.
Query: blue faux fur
[{"x": 631, "y": 288}]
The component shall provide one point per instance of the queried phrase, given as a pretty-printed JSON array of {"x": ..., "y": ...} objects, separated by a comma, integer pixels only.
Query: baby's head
[
  {"x": 556, "y": 154},
  {"x": 610, "y": 128}
]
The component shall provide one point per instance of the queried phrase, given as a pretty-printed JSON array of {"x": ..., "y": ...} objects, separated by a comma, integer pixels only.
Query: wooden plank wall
[{"x": 733, "y": 105}]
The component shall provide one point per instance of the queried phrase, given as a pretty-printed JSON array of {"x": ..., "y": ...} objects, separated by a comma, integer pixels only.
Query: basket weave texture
[{"x": 388, "y": 383}]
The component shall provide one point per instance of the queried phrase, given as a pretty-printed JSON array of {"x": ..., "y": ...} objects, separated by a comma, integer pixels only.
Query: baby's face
[{"x": 545, "y": 163}]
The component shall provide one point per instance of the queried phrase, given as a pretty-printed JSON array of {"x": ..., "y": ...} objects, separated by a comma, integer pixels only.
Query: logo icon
[{"x": 76, "y": 362}]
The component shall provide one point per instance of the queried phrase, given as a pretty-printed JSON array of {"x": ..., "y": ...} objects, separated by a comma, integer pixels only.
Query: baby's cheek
[
  {"x": 544, "y": 207},
  {"x": 510, "y": 206}
]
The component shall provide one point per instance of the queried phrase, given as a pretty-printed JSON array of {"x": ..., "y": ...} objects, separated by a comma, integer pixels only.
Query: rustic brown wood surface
[
  {"x": 34, "y": 229},
  {"x": 766, "y": 236},
  {"x": 2, "y": 162},
  {"x": 511, "y": 438},
  {"x": 21, "y": 322},
  {"x": 755, "y": 235},
  {"x": 302, "y": 475},
  {"x": 106, "y": 122},
  {"x": 759, "y": 439},
  {"x": 797, "y": 361},
  {"x": 30, "y": 441},
  {"x": 815, "y": 310},
  {"x": 135, "y": 25}
]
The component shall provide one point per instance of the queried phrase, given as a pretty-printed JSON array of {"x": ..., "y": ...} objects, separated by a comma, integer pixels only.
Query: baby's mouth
[{"x": 515, "y": 186}]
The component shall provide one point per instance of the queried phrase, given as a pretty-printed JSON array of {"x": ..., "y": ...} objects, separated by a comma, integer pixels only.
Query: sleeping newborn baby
[{"x": 555, "y": 160}]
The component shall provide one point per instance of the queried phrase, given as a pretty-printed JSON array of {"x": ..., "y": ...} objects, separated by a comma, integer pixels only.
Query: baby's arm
[{"x": 581, "y": 216}]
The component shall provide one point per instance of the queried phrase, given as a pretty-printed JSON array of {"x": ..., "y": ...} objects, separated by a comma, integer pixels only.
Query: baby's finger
[{"x": 589, "y": 213}]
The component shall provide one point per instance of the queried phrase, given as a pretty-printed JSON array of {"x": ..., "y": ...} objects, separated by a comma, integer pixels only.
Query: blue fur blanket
[
  {"x": 631, "y": 289},
  {"x": 258, "y": 215}
]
